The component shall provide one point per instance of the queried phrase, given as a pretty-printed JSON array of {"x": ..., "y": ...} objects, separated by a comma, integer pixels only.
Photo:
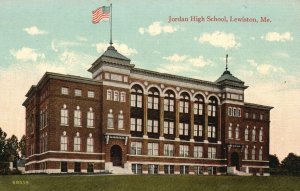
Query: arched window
[
  {"x": 153, "y": 99},
  {"x": 237, "y": 132},
  {"x": 110, "y": 120},
  {"x": 90, "y": 118},
  {"x": 261, "y": 135},
  {"x": 246, "y": 134},
  {"x": 136, "y": 96},
  {"x": 121, "y": 120},
  {"x": 64, "y": 142},
  {"x": 169, "y": 101},
  {"x": 90, "y": 144},
  {"x": 198, "y": 105},
  {"x": 253, "y": 134},
  {"x": 116, "y": 96},
  {"x": 253, "y": 154},
  {"x": 109, "y": 95},
  {"x": 212, "y": 107},
  {"x": 77, "y": 142},
  {"x": 246, "y": 153},
  {"x": 184, "y": 103},
  {"x": 77, "y": 117},
  {"x": 230, "y": 131},
  {"x": 64, "y": 115},
  {"x": 260, "y": 154}
]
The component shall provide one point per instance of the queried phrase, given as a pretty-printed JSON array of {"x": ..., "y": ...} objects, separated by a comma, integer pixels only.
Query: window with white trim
[
  {"x": 168, "y": 149},
  {"x": 136, "y": 168},
  {"x": 260, "y": 154},
  {"x": 90, "y": 144},
  {"x": 152, "y": 169},
  {"x": 230, "y": 131},
  {"x": 212, "y": 152},
  {"x": 136, "y": 148},
  {"x": 122, "y": 97},
  {"x": 261, "y": 135},
  {"x": 153, "y": 99},
  {"x": 247, "y": 115},
  {"x": 183, "y": 150},
  {"x": 198, "y": 105},
  {"x": 153, "y": 149},
  {"x": 198, "y": 130},
  {"x": 121, "y": 120},
  {"x": 64, "y": 115},
  {"x": 211, "y": 131},
  {"x": 246, "y": 153},
  {"x": 261, "y": 117},
  {"x": 247, "y": 134},
  {"x": 229, "y": 111},
  {"x": 136, "y": 96},
  {"x": 64, "y": 91},
  {"x": 169, "y": 101},
  {"x": 237, "y": 132},
  {"x": 184, "y": 103},
  {"x": 152, "y": 126},
  {"x": 198, "y": 151},
  {"x": 169, "y": 127},
  {"x": 212, "y": 107},
  {"x": 77, "y": 142},
  {"x": 78, "y": 92},
  {"x": 254, "y": 134},
  {"x": 109, "y": 95},
  {"x": 90, "y": 118},
  {"x": 135, "y": 124},
  {"x": 116, "y": 96},
  {"x": 184, "y": 169},
  {"x": 110, "y": 120},
  {"x": 183, "y": 129},
  {"x": 91, "y": 94},
  {"x": 77, "y": 117},
  {"x": 169, "y": 169},
  {"x": 253, "y": 154},
  {"x": 64, "y": 142}
]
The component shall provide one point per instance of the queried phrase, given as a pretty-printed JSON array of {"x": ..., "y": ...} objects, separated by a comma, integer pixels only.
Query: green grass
[{"x": 149, "y": 182}]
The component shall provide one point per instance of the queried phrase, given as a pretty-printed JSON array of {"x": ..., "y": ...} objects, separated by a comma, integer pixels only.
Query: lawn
[{"x": 148, "y": 182}]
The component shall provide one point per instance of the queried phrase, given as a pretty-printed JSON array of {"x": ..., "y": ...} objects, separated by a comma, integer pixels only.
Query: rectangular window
[
  {"x": 90, "y": 119},
  {"x": 211, "y": 131},
  {"x": 91, "y": 94},
  {"x": 184, "y": 129},
  {"x": 253, "y": 135},
  {"x": 246, "y": 134},
  {"x": 109, "y": 95},
  {"x": 63, "y": 143},
  {"x": 78, "y": 92},
  {"x": 198, "y": 170},
  {"x": 90, "y": 145},
  {"x": 184, "y": 150},
  {"x": 229, "y": 111},
  {"x": 136, "y": 168},
  {"x": 169, "y": 169},
  {"x": 198, "y": 109},
  {"x": 136, "y": 124},
  {"x": 64, "y": 117},
  {"x": 152, "y": 126},
  {"x": 136, "y": 148},
  {"x": 152, "y": 169},
  {"x": 169, "y": 127},
  {"x": 110, "y": 121},
  {"x": 168, "y": 150},
  {"x": 116, "y": 96},
  {"x": 64, "y": 91},
  {"x": 123, "y": 97},
  {"x": 133, "y": 100},
  {"x": 253, "y": 154},
  {"x": 212, "y": 152},
  {"x": 254, "y": 116},
  {"x": 230, "y": 132},
  {"x": 77, "y": 118},
  {"x": 63, "y": 166},
  {"x": 246, "y": 115},
  {"x": 198, "y": 151},
  {"x": 261, "y": 116},
  {"x": 198, "y": 130},
  {"x": 153, "y": 149},
  {"x": 184, "y": 169},
  {"x": 246, "y": 154},
  {"x": 260, "y": 154},
  {"x": 239, "y": 112},
  {"x": 77, "y": 167},
  {"x": 77, "y": 144}
]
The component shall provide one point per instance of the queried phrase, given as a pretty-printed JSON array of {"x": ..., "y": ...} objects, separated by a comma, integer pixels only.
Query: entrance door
[
  {"x": 116, "y": 155},
  {"x": 235, "y": 160}
]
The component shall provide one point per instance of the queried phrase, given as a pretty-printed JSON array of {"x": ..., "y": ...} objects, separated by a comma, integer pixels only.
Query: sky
[{"x": 58, "y": 36}]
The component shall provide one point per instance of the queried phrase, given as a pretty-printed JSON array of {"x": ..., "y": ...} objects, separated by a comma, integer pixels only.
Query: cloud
[
  {"x": 219, "y": 39},
  {"x": 175, "y": 58},
  {"x": 57, "y": 45},
  {"x": 122, "y": 48},
  {"x": 265, "y": 69},
  {"x": 33, "y": 30},
  {"x": 277, "y": 37},
  {"x": 26, "y": 54},
  {"x": 156, "y": 28},
  {"x": 183, "y": 63}
]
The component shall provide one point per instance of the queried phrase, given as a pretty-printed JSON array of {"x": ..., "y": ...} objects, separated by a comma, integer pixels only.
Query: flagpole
[{"x": 110, "y": 25}]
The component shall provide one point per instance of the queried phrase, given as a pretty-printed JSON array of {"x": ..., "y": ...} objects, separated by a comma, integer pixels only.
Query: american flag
[{"x": 100, "y": 13}]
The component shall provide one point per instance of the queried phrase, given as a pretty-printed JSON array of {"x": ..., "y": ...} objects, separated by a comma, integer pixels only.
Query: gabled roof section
[
  {"x": 113, "y": 53},
  {"x": 230, "y": 80}
]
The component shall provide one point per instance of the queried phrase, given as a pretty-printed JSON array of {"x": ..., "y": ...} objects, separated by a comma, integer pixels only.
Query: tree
[
  {"x": 291, "y": 163},
  {"x": 11, "y": 150},
  {"x": 4, "y": 165},
  {"x": 273, "y": 161},
  {"x": 22, "y": 146}
]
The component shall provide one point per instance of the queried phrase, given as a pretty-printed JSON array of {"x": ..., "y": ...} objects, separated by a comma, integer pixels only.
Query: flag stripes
[{"x": 99, "y": 14}]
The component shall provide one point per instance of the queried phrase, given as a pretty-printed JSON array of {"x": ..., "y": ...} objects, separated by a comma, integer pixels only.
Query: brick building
[{"x": 126, "y": 119}]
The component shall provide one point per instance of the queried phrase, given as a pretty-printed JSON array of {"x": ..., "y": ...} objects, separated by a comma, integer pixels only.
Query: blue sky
[{"x": 58, "y": 36}]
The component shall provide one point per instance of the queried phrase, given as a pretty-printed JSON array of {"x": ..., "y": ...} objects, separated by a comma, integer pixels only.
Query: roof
[
  {"x": 113, "y": 53},
  {"x": 258, "y": 106},
  {"x": 228, "y": 76}
]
